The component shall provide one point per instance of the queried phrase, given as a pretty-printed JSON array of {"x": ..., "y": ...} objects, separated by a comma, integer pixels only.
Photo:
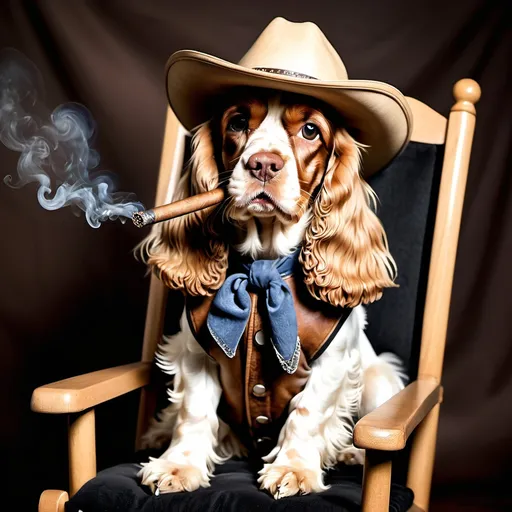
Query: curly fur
[
  {"x": 345, "y": 256},
  {"x": 187, "y": 252}
]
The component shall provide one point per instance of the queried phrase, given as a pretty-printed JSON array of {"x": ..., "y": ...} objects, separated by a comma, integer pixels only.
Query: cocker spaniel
[{"x": 294, "y": 194}]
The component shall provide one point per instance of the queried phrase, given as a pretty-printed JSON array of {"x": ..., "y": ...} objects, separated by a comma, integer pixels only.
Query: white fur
[
  {"x": 336, "y": 392},
  {"x": 332, "y": 397},
  {"x": 348, "y": 380},
  {"x": 190, "y": 423},
  {"x": 280, "y": 236}
]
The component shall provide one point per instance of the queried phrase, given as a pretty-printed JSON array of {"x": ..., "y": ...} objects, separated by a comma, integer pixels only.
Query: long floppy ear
[
  {"x": 186, "y": 253},
  {"x": 345, "y": 256}
]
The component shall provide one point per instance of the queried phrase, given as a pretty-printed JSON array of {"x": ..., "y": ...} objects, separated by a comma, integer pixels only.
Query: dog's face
[{"x": 275, "y": 149}]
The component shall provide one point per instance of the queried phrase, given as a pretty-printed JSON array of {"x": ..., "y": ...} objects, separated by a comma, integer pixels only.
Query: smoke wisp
[{"x": 55, "y": 147}]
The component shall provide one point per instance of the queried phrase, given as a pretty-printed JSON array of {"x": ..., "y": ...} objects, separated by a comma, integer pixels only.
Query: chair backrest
[
  {"x": 421, "y": 195},
  {"x": 408, "y": 190}
]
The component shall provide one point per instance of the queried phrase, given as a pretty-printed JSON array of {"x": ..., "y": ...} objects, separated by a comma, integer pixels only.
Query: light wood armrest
[
  {"x": 79, "y": 393},
  {"x": 389, "y": 426}
]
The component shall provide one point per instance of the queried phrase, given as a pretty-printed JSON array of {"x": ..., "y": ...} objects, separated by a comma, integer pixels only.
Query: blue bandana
[{"x": 230, "y": 310}]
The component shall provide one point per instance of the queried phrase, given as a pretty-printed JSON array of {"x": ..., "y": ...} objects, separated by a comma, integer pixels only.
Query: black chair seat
[{"x": 233, "y": 488}]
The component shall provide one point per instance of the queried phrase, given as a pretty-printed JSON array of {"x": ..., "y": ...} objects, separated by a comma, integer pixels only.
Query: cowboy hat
[{"x": 298, "y": 58}]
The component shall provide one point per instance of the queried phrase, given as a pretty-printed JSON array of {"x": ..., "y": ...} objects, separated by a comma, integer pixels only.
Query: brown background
[{"x": 72, "y": 298}]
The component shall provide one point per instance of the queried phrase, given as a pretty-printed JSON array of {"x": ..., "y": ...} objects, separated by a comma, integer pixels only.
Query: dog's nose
[{"x": 265, "y": 165}]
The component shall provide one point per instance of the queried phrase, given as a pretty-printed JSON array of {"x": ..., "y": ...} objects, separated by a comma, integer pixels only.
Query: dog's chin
[
  {"x": 263, "y": 206},
  {"x": 262, "y": 211}
]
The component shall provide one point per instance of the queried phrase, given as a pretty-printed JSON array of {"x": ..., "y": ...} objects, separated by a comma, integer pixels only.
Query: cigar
[{"x": 178, "y": 208}]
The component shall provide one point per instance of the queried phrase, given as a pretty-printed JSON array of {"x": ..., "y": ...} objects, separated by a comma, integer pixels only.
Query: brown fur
[
  {"x": 345, "y": 256},
  {"x": 186, "y": 252},
  {"x": 311, "y": 157},
  {"x": 234, "y": 143}
]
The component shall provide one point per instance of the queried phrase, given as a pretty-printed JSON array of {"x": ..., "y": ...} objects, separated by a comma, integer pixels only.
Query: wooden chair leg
[
  {"x": 52, "y": 501},
  {"x": 82, "y": 449},
  {"x": 421, "y": 463},
  {"x": 376, "y": 481}
]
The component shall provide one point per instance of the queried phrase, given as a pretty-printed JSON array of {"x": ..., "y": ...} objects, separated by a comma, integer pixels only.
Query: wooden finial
[{"x": 466, "y": 93}]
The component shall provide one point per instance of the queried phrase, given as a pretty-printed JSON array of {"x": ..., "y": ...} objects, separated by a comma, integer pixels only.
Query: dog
[{"x": 291, "y": 170}]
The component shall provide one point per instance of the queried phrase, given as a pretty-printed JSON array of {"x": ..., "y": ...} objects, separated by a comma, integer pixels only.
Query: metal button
[
  {"x": 259, "y": 390},
  {"x": 259, "y": 338},
  {"x": 262, "y": 420}
]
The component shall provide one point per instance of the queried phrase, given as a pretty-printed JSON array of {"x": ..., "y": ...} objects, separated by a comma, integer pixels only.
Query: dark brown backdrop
[{"x": 72, "y": 298}]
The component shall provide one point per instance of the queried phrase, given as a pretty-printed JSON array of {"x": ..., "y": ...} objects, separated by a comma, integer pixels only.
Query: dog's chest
[{"x": 256, "y": 390}]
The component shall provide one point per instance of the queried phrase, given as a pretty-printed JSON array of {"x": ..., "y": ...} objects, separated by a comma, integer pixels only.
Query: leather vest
[{"x": 256, "y": 390}]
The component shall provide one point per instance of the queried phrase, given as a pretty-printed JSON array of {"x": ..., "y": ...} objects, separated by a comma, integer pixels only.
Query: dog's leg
[
  {"x": 319, "y": 426},
  {"x": 383, "y": 377},
  {"x": 189, "y": 461}
]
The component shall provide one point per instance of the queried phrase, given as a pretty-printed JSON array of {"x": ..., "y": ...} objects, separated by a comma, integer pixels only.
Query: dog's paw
[
  {"x": 282, "y": 480},
  {"x": 163, "y": 476},
  {"x": 352, "y": 456}
]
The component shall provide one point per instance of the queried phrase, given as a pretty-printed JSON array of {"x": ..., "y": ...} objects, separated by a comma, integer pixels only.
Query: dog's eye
[
  {"x": 310, "y": 131},
  {"x": 238, "y": 123}
]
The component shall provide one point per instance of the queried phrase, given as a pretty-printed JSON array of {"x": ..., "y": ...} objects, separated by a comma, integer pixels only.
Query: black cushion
[{"x": 233, "y": 488}]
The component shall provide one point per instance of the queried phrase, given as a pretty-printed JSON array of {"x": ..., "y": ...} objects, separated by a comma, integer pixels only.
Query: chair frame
[{"x": 382, "y": 432}]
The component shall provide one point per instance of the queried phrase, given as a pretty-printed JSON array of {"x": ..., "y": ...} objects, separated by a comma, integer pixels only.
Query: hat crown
[{"x": 297, "y": 48}]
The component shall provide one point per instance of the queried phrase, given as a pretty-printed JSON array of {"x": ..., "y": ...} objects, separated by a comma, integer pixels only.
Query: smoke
[{"x": 55, "y": 147}]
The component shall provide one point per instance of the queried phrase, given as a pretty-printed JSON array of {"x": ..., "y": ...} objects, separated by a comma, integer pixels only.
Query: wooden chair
[{"x": 382, "y": 432}]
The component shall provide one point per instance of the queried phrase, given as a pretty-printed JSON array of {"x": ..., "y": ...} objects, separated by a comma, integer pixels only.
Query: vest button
[
  {"x": 259, "y": 390},
  {"x": 259, "y": 338},
  {"x": 262, "y": 420}
]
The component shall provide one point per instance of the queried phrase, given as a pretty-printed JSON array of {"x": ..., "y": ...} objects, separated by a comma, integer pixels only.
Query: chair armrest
[
  {"x": 79, "y": 393},
  {"x": 389, "y": 426}
]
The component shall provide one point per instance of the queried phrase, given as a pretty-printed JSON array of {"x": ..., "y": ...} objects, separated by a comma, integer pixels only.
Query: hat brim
[{"x": 377, "y": 112}]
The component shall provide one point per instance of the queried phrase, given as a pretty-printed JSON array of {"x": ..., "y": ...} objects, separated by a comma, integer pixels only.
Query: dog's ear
[
  {"x": 345, "y": 256},
  {"x": 186, "y": 253}
]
